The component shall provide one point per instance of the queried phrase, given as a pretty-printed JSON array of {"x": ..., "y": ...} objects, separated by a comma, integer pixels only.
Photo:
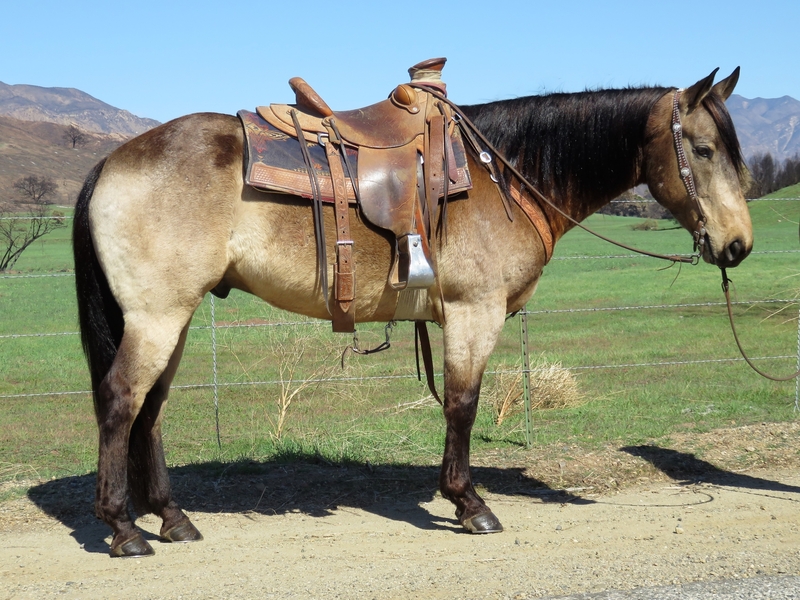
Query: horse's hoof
[
  {"x": 135, "y": 547},
  {"x": 483, "y": 523},
  {"x": 182, "y": 532}
]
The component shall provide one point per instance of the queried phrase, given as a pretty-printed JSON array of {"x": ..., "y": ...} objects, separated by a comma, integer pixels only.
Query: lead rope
[{"x": 726, "y": 289}]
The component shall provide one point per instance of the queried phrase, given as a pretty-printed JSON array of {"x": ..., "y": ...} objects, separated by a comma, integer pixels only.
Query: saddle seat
[{"x": 392, "y": 123}]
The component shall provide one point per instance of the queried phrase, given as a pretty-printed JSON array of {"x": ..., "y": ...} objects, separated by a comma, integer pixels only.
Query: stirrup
[{"x": 411, "y": 268}]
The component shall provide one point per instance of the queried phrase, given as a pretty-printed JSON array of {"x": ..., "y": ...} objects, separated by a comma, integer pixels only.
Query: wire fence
[{"x": 214, "y": 327}]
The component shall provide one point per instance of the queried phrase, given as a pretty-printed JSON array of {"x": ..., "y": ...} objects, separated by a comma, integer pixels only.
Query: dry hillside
[{"x": 39, "y": 148}]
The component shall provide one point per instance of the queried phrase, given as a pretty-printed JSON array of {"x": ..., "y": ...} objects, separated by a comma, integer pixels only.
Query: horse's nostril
[{"x": 734, "y": 252}]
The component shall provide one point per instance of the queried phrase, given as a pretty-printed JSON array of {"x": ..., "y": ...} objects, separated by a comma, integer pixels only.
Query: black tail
[{"x": 99, "y": 314}]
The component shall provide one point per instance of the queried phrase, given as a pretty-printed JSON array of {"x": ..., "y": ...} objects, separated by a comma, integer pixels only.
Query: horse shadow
[
  {"x": 687, "y": 469},
  {"x": 313, "y": 487}
]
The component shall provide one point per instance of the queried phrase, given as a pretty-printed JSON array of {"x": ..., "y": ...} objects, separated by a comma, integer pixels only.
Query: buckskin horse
[{"x": 167, "y": 218}]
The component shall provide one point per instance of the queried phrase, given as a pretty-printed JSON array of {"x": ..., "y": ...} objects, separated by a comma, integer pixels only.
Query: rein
[
  {"x": 699, "y": 235},
  {"x": 487, "y": 160},
  {"x": 726, "y": 290}
]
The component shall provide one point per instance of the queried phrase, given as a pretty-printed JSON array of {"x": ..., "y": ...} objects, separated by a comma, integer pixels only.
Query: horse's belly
[{"x": 273, "y": 255}]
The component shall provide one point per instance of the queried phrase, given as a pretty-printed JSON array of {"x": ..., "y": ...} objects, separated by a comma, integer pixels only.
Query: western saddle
[{"x": 408, "y": 155}]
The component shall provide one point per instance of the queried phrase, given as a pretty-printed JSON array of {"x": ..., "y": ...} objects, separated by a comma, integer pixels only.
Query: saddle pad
[{"x": 274, "y": 162}]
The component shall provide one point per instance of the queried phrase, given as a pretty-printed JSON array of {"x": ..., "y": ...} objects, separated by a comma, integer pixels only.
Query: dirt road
[{"x": 316, "y": 531}]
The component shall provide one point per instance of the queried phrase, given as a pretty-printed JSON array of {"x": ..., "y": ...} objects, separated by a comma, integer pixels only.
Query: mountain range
[
  {"x": 767, "y": 125},
  {"x": 34, "y": 122},
  {"x": 68, "y": 106}
]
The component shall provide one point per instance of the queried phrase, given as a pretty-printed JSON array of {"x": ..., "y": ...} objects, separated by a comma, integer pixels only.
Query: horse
[{"x": 166, "y": 218}]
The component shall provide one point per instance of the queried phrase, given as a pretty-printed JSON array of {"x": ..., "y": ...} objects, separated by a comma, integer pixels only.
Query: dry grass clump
[{"x": 552, "y": 386}]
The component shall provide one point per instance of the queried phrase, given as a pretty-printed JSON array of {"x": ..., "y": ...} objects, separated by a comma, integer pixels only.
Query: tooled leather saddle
[{"x": 395, "y": 160}]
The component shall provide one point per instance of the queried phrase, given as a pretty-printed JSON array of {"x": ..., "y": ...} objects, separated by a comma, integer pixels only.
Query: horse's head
[{"x": 694, "y": 167}]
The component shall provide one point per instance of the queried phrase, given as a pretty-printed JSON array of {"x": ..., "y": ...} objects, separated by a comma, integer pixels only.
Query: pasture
[{"x": 645, "y": 374}]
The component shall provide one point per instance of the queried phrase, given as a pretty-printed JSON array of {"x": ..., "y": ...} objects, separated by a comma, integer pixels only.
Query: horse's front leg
[{"x": 470, "y": 335}]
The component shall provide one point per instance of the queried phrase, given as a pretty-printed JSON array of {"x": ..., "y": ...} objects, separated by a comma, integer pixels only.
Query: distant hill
[
  {"x": 69, "y": 106},
  {"x": 39, "y": 148},
  {"x": 33, "y": 121},
  {"x": 767, "y": 125}
]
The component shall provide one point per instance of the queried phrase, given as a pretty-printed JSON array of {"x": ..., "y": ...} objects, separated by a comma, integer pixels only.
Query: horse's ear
[
  {"x": 724, "y": 88},
  {"x": 694, "y": 95}
]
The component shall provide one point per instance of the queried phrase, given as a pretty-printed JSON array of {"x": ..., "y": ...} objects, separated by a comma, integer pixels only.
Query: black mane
[
  {"x": 586, "y": 144},
  {"x": 583, "y": 144}
]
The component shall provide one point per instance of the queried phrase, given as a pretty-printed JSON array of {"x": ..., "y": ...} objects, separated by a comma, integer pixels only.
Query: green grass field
[{"x": 364, "y": 414}]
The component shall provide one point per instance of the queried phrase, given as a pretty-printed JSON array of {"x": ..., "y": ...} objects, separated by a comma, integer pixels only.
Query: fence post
[
  {"x": 526, "y": 375},
  {"x": 214, "y": 368},
  {"x": 797, "y": 379}
]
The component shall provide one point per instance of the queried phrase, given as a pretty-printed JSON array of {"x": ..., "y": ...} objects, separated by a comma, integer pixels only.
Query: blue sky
[{"x": 165, "y": 59}]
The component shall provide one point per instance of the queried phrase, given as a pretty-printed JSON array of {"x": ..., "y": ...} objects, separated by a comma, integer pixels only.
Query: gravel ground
[
  {"x": 755, "y": 588},
  {"x": 654, "y": 516}
]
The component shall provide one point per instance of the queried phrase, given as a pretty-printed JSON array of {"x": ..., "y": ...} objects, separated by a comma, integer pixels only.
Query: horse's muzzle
[{"x": 732, "y": 254}]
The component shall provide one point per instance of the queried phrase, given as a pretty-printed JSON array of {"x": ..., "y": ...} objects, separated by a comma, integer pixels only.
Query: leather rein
[
  {"x": 726, "y": 290},
  {"x": 699, "y": 235},
  {"x": 471, "y": 129}
]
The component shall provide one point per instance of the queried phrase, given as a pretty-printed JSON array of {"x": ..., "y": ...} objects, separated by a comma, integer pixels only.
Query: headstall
[{"x": 699, "y": 233}]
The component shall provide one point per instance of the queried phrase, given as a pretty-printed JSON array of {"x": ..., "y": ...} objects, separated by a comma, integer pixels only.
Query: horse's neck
[
  {"x": 580, "y": 150},
  {"x": 579, "y": 205}
]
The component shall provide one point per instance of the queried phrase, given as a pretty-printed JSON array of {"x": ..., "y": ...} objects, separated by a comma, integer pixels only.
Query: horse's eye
[{"x": 704, "y": 152}]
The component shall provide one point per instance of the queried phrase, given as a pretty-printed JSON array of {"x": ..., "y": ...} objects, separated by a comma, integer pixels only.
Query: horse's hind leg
[
  {"x": 470, "y": 334},
  {"x": 144, "y": 354},
  {"x": 147, "y": 468}
]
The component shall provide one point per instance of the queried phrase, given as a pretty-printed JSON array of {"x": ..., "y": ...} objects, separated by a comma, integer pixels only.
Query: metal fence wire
[
  {"x": 216, "y": 385},
  {"x": 214, "y": 327}
]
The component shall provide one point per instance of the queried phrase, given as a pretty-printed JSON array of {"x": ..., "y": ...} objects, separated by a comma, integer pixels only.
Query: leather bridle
[
  {"x": 685, "y": 171},
  {"x": 699, "y": 235},
  {"x": 700, "y": 231}
]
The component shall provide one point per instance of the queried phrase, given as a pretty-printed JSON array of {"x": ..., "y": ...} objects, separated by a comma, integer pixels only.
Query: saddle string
[
  {"x": 726, "y": 290},
  {"x": 422, "y": 345},
  {"x": 445, "y": 178},
  {"x": 316, "y": 204},
  {"x": 487, "y": 160},
  {"x": 351, "y": 173}
]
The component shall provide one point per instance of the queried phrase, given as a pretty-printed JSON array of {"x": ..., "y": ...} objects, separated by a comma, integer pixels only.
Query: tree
[
  {"x": 762, "y": 172},
  {"x": 769, "y": 175},
  {"x": 789, "y": 173},
  {"x": 19, "y": 229},
  {"x": 75, "y": 136},
  {"x": 34, "y": 189}
]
